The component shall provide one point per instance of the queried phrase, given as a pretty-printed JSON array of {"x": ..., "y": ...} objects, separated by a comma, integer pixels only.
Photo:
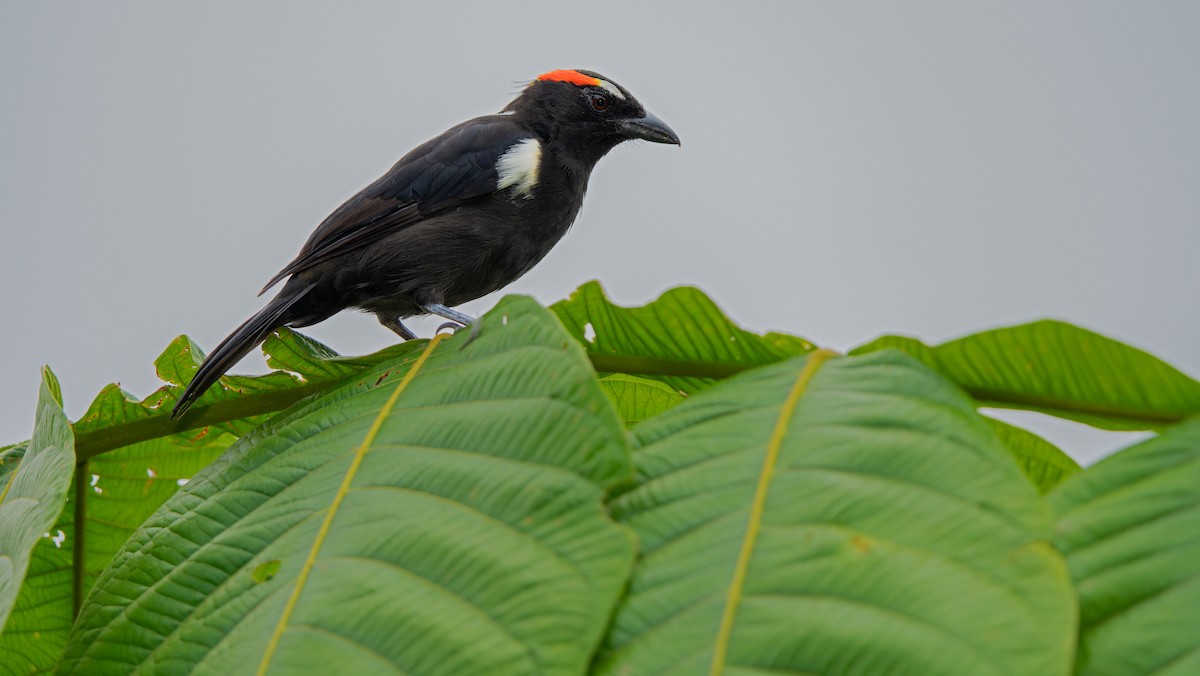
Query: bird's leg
[
  {"x": 400, "y": 329},
  {"x": 449, "y": 313}
]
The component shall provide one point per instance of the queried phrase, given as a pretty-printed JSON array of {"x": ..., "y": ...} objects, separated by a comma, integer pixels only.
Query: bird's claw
[{"x": 455, "y": 327}]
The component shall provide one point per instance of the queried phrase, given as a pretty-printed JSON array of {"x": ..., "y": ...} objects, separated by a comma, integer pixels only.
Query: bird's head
[{"x": 586, "y": 111}]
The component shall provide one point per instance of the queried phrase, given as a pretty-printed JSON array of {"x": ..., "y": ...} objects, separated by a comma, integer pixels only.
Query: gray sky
[{"x": 847, "y": 169}]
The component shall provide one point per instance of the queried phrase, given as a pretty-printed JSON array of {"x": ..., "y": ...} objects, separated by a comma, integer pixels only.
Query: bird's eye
[{"x": 600, "y": 103}]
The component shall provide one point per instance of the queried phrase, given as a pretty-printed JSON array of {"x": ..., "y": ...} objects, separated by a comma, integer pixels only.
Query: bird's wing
[{"x": 443, "y": 173}]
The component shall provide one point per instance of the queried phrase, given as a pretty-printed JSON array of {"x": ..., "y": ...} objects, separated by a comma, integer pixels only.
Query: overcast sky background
[{"x": 847, "y": 168}]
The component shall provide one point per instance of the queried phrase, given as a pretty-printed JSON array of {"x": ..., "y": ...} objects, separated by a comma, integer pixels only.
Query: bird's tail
[{"x": 245, "y": 338}]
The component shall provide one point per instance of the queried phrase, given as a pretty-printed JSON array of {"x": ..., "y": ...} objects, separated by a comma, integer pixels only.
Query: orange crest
[{"x": 572, "y": 76}]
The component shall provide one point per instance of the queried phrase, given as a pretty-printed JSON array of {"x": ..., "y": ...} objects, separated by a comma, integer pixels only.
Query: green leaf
[
  {"x": 31, "y": 497},
  {"x": 836, "y": 515},
  {"x": 37, "y": 627},
  {"x": 126, "y": 484},
  {"x": 124, "y": 488},
  {"x": 313, "y": 361},
  {"x": 1062, "y": 370},
  {"x": 440, "y": 515},
  {"x": 1043, "y": 463},
  {"x": 637, "y": 398},
  {"x": 682, "y": 338},
  {"x": 34, "y": 635},
  {"x": 1130, "y": 529}
]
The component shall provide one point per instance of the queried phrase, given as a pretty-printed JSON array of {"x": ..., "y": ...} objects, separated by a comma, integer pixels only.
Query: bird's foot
[{"x": 457, "y": 319}]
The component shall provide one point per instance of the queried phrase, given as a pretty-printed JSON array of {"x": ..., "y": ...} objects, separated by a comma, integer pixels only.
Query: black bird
[{"x": 460, "y": 216}]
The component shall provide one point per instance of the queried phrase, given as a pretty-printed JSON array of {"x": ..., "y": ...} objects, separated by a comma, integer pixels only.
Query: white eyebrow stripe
[
  {"x": 612, "y": 88},
  {"x": 518, "y": 167}
]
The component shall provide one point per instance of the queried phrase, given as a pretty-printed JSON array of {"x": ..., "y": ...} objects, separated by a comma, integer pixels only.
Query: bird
[{"x": 460, "y": 216}]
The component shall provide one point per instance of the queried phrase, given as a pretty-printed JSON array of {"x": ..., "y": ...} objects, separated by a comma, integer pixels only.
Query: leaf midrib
[
  {"x": 770, "y": 459},
  {"x": 339, "y": 496}
]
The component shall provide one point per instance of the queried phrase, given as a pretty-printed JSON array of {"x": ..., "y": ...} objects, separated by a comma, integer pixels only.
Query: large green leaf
[
  {"x": 32, "y": 494},
  {"x": 682, "y": 338},
  {"x": 1062, "y": 370},
  {"x": 836, "y": 515},
  {"x": 123, "y": 489},
  {"x": 1130, "y": 529},
  {"x": 440, "y": 515},
  {"x": 126, "y": 484}
]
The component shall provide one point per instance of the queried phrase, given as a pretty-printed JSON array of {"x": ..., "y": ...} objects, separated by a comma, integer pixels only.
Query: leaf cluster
[{"x": 608, "y": 490}]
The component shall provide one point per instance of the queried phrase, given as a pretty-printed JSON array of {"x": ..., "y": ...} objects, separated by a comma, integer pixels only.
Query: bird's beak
[{"x": 648, "y": 127}]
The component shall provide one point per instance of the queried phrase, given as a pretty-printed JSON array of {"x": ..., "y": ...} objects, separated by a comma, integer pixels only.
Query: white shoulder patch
[{"x": 518, "y": 167}]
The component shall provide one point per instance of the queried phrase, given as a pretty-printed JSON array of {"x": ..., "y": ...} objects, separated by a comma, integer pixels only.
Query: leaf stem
[
  {"x": 78, "y": 550},
  {"x": 1145, "y": 419},
  {"x": 89, "y": 444}
]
